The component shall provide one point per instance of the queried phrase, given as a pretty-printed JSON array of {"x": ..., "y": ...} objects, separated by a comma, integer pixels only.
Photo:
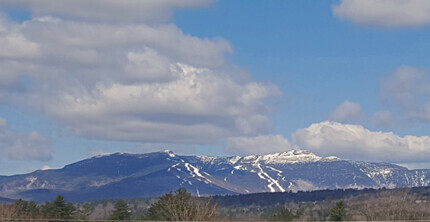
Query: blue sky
[
  {"x": 307, "y": 51},
  {"x": 346, "y": 78}
]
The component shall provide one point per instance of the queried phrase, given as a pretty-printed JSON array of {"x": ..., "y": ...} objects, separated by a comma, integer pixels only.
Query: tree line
[
  {"x": 177, "y": 206},
  {"x": 397, "y": 204},
  {"x": 57, "y": 209}
]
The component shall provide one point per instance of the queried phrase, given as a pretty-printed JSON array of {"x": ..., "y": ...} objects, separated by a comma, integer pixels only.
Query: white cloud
[
  {"x": 105, "y": 10},
  {"x": 262, "y": 144},
  {"x": 14, "y": 44},
  {"x": 199, "y": 106},
  {"x": 23, "y": 146},
  {"x": 356, "y": 142},
  {"x": 134, "y": 81},
  {"x": 408, "y": 89},
  {"x": 92, "y": 44},
  {"x": 347, "y": 111},
  {"x": 385, "y": 13}
]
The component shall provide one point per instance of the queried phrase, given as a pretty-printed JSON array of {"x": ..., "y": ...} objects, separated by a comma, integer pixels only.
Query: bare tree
[{"x": 181, "y": 207}]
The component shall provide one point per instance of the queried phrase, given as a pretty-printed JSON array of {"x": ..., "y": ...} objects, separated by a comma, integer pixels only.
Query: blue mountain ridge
[{"x": 123, "y": 175}]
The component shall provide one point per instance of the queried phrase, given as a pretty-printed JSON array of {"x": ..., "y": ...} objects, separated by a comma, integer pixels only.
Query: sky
[{"x": 345, "y": 78}]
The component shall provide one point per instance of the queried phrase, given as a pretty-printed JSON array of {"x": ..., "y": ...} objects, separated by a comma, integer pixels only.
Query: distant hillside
[
  {"x": 270, "y": 199},
  {"x": 361, "y": 205},
  {"x": 6, "y": 200},
  {"x": 123, "y": 175}
]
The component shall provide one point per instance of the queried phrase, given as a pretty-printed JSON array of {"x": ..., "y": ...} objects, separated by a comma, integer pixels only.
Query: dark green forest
[{"x": 322, "y": 205}]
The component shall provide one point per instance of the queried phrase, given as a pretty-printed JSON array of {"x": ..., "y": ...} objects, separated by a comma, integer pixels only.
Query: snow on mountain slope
[
  {"x": 293, "y": 156},
  {"x": 152, "y": 174}
]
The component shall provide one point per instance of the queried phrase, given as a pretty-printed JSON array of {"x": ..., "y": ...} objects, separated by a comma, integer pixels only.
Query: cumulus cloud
[
  {"x": 262, "y": 144},
  {"x": 408, "y": 89},
  {"x": 347, "y": 111},
  {"x": 133, "y": 81},
  {"x": 23, "y": 146},
  {"x": 358, "y": 143},
  {"x": 198, "y": 106},
  {"x": 385, "y": 13},
  {"x": 104, "y": 10}
]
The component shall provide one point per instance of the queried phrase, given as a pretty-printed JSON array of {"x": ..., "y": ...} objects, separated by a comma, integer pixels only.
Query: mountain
[
  {"x": 123, "y": 175},
  {"x": 6, "y": 200}
]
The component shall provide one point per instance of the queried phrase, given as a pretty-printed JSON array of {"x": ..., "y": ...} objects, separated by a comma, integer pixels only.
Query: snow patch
[
  {"x": 194, "y": 172},
  {"x": 169, "y": 152},
  {"x": 263, "y": 175},
  {"x": 206, "y": 159},
  {"x": 102, "y": 155},
  {"x": 31, "y": 181},
  {"x": 240, "y": 167},
  {"x": 249, "y": 158},
  {"x": 233, "y": 160},
  {"x": 303, "y": 185},
  {"x": 292, "y": 156},
  {"x": 331, "y": 158}
]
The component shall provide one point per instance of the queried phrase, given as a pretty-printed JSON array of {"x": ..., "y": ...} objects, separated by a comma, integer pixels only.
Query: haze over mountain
[{"x": 124, "y": 175}]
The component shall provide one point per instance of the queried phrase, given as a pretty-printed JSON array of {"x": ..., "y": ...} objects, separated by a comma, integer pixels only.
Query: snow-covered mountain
[{"x": 123, "y": 175}]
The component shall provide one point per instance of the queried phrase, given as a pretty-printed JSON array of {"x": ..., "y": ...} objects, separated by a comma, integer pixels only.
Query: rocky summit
[{"x": 123, "y": 175}]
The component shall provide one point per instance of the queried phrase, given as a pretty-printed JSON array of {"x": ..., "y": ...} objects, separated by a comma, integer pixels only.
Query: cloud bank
[
  {"x": 346, "y": 141},
  {"x": 105, "y": 10},
  {"x": 385, "y": 13},
  {"x": 127, "y": 81},
  {"x": 358, "y": 143}
]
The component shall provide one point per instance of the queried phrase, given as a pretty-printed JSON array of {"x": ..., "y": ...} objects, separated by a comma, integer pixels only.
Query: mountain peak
[
  {"x": 100, "y": 155},
  {"x": 291, "y": 156},
  {"x": 169, "y": 152}
]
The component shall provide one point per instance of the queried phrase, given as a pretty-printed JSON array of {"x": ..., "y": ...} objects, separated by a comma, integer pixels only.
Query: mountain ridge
[{"x": 125, "y": 175}]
